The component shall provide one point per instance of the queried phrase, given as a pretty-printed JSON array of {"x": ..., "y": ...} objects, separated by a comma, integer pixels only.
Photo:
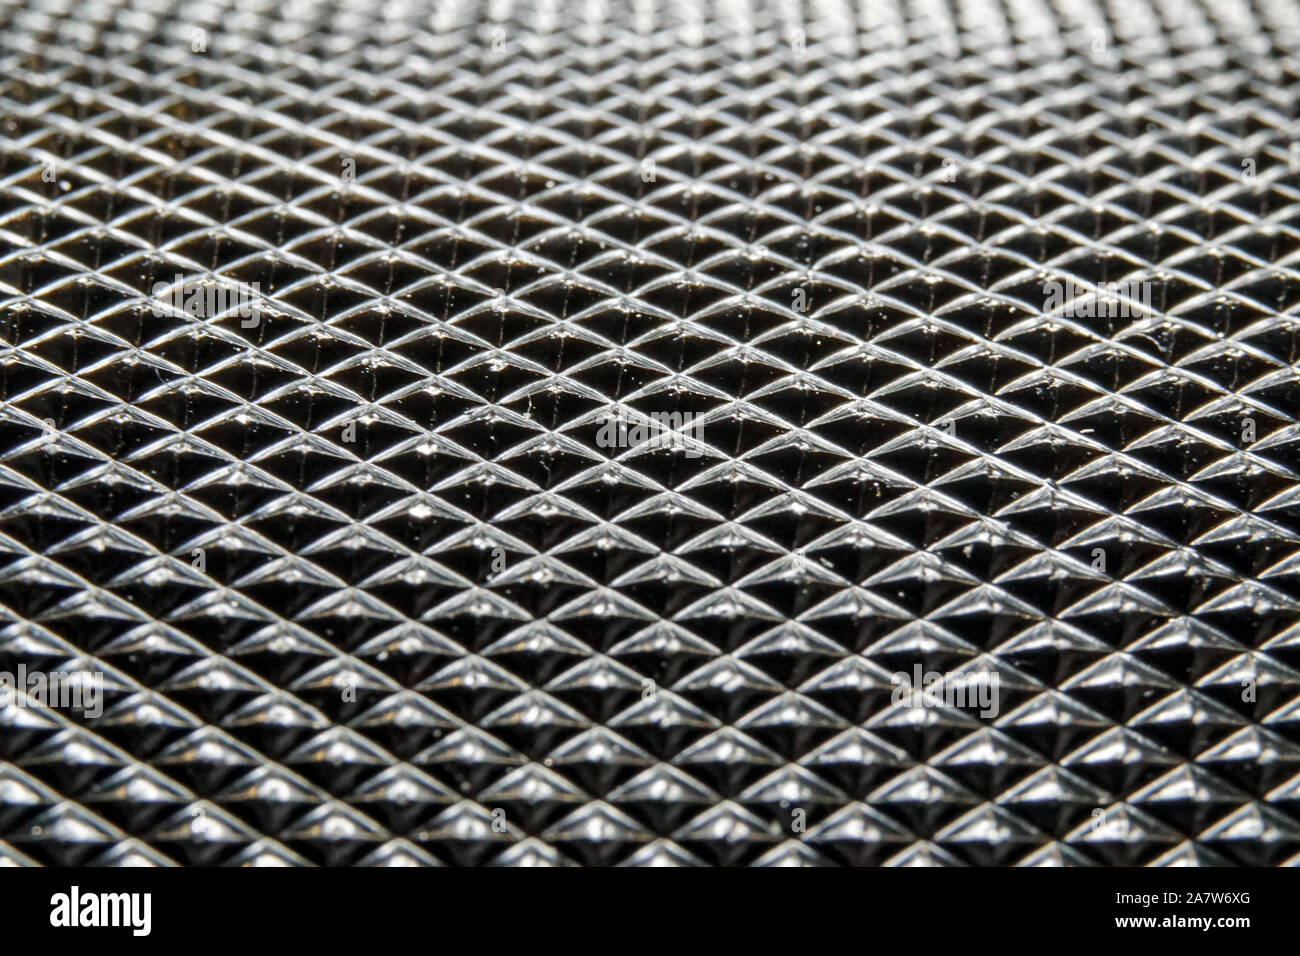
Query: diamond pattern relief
[{"x": 366, "y": 587}]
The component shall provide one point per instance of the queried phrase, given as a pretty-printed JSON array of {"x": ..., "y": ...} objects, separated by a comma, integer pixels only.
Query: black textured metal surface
[{"x": 366, "y": 583}]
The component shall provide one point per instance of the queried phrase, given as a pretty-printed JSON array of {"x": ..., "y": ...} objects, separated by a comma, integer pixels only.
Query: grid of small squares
[{"x": 365, "y": 588}]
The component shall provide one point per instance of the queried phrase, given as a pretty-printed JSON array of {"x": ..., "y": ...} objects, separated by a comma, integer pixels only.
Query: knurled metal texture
[{"x": 365, "y": 585}]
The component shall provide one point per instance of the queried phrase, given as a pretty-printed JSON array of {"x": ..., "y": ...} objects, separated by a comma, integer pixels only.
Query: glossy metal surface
[{"x": 365, "y": 585}]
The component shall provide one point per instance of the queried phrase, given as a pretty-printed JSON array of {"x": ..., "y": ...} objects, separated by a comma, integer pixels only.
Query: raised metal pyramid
[{"x": 366, "y": 588}]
